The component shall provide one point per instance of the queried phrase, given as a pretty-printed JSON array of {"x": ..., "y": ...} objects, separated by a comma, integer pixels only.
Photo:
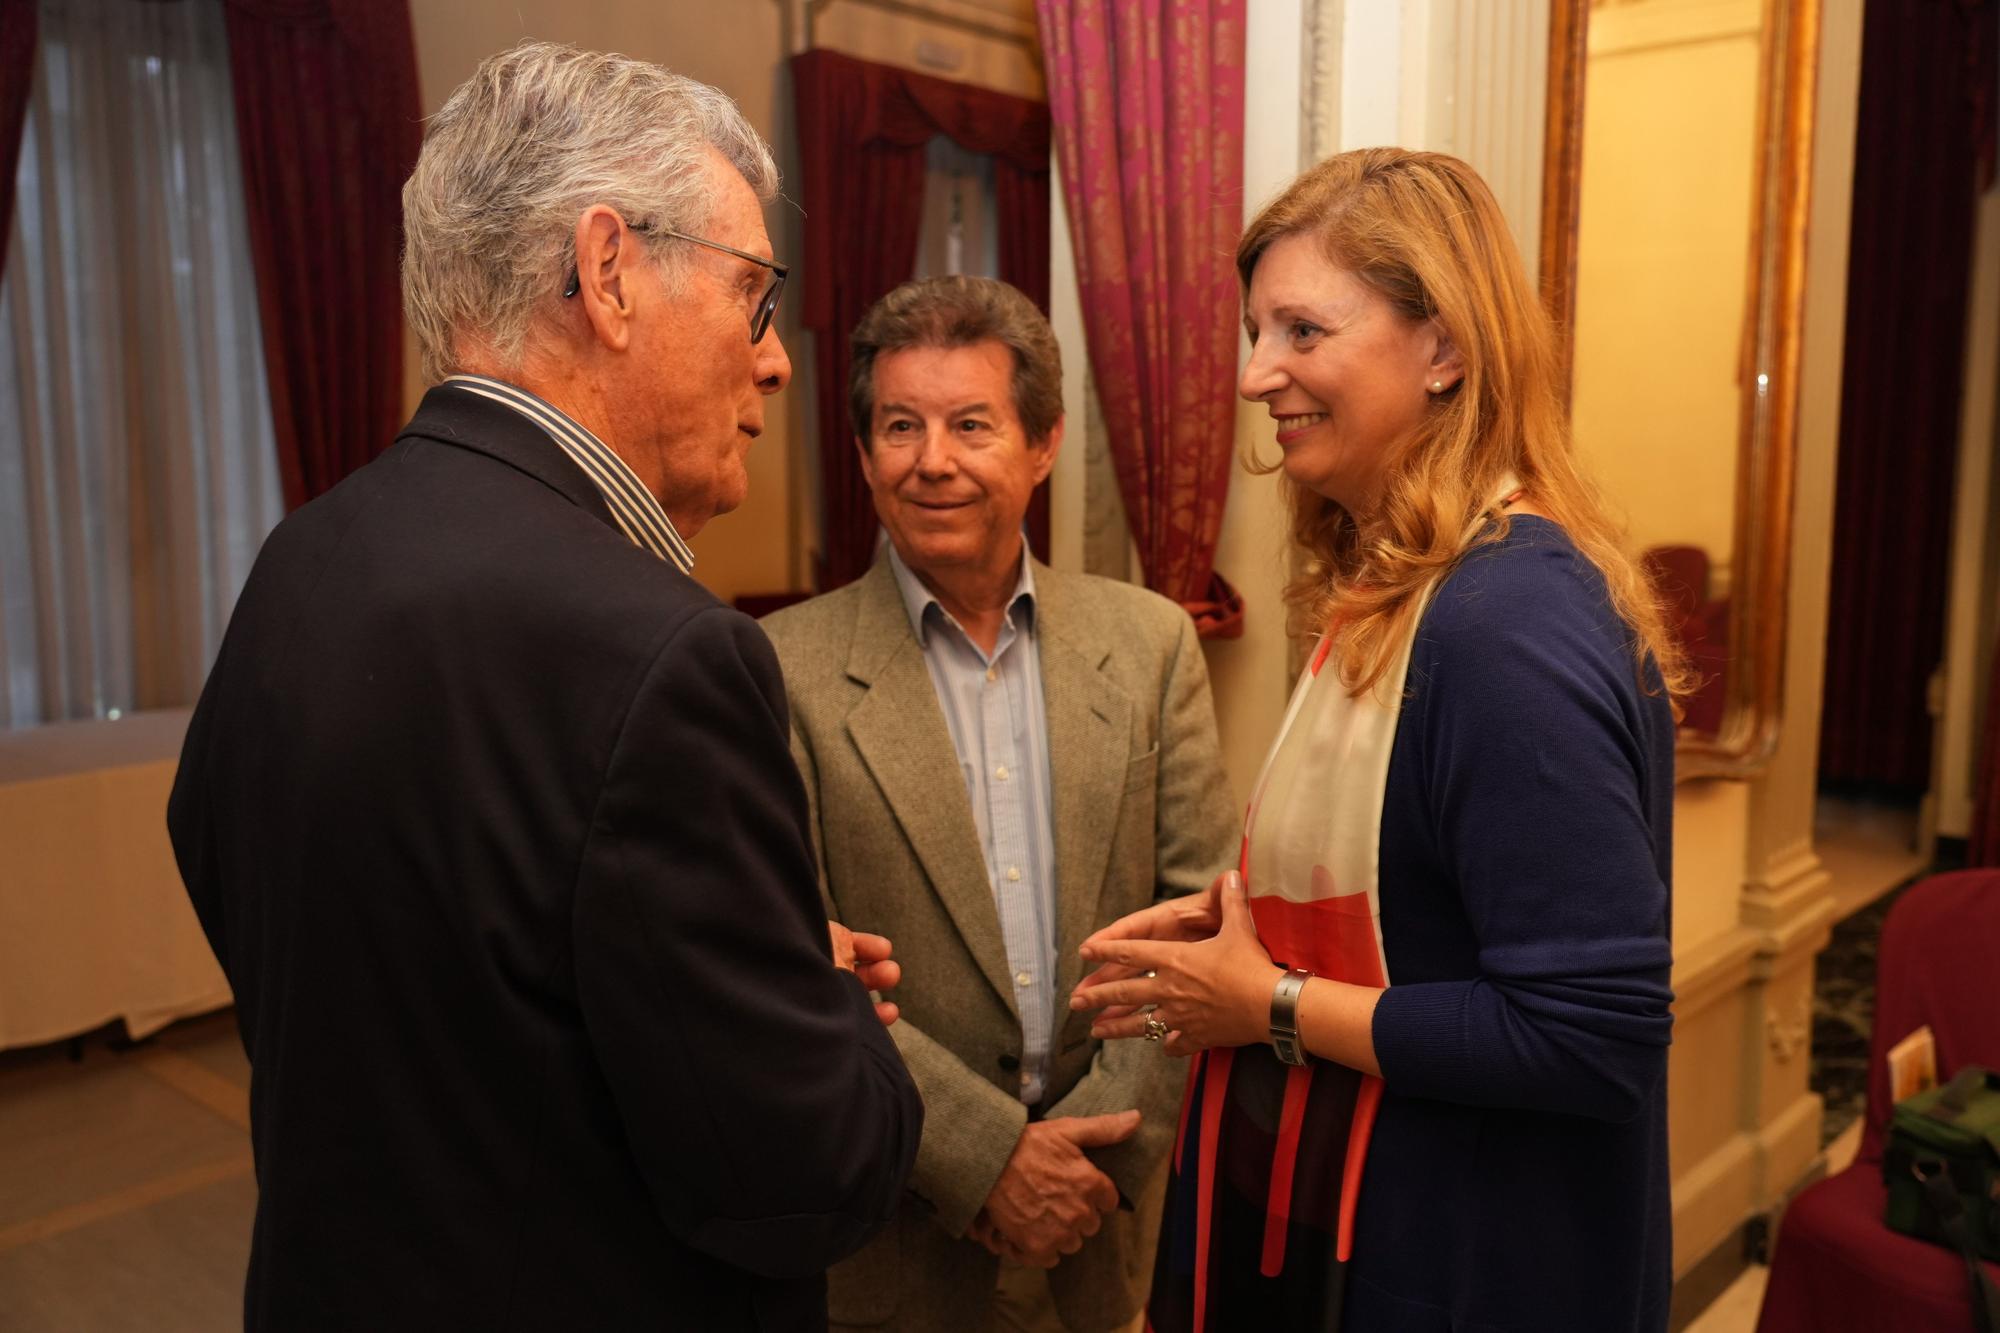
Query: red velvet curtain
[
  {"x": 1147, "y": 97},
  {"x": 17, "y": 76},
  {"x": 862, "y": 132},
  {"x": 1923, "y": 149},
  {"x": 329, "y": 123}
]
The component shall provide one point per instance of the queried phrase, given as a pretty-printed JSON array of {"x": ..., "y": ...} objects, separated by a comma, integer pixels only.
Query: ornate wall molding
[
  {"x": 1321, "y": 22},
  {"x": 1468, "y": 77},
  {"x": 1787, "y": 1033},
  {"x": 1487, "y": 101}
]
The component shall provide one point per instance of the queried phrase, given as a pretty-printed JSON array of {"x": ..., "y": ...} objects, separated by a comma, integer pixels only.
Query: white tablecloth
[{"x": 94, "y": 923}]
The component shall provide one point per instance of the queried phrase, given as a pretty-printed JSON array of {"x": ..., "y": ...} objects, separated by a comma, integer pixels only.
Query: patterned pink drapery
[{"x": 1147, "y": 101}]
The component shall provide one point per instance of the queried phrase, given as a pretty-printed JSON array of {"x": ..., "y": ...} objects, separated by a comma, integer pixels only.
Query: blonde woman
[{"x": 1430, "y": 1015}]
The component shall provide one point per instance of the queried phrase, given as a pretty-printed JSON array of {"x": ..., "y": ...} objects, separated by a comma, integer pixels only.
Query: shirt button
[
  {"x": 1013, "y": 873},
  {"x": 1024, "y": 979},
  {"x": 1001, "y": 772},
  {"x": 992, "y": 673}
]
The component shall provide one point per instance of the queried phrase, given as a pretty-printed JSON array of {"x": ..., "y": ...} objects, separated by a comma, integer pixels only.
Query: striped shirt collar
[
  {"x": 633, "y": 508},
  {"x": 917, "y": 599}
]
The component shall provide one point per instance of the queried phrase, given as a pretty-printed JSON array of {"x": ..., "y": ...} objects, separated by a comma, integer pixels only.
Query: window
[
  {"x": 960, "y": 232},
  {"x": 138, "y": 473}
]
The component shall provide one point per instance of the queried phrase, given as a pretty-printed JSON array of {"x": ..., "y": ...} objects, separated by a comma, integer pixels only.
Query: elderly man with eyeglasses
[{"x": 488, "y": 807}]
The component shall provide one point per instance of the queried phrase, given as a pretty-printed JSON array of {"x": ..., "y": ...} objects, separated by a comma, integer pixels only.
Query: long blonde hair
[{"x": 1425, "y": 231}]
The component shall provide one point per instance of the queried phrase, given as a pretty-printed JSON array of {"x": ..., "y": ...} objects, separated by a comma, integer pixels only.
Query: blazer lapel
[
  {"x": 453, "y": 414},
  {"x": 901, "y": 736},
  {"x": 1090, "y": 727}
]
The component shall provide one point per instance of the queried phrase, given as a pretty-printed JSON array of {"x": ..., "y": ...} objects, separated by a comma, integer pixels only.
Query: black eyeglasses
[{"x": 767, "y": 304}]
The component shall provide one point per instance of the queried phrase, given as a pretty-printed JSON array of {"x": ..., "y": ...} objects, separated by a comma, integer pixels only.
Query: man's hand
[
  {"x": 867, "y": 957},
  {"x": 1049, "y": 1195}
]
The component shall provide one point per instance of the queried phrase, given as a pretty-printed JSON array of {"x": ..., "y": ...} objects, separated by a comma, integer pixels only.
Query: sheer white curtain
[
  {"x": 960, "y": 232},
  {"x": 138, "y": 474}
]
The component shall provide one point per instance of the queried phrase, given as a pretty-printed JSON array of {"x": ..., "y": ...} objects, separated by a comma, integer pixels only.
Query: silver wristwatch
[{"x": 1285, "y": 1017}]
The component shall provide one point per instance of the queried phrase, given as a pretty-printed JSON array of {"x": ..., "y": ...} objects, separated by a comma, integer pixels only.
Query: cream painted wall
[
  {"x": 1669, "y": 121},
  {"x": 1710, "y": 841},
  {"x": 757, "y": 548},
  {"x": 1251, "y": 676}
]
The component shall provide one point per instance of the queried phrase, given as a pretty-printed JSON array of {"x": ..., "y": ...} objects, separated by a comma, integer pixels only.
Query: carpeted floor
[
  {"x": 1843, "y": 1010},
  {"x": 1844, "y": 1004}
]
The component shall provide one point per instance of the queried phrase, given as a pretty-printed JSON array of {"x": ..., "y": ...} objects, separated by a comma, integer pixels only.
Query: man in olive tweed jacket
[
  {"x": 999, "y": 759},
  {"x": 1140, "y": 810}
]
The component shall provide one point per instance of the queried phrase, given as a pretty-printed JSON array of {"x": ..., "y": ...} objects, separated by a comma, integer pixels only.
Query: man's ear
[
  {"x": 1044, "y": 452},
  {"x": 1447, "y": 367},
  {"x": 605, "y": 256}
]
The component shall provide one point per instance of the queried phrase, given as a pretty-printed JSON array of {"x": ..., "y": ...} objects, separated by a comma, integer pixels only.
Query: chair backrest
[{"x": 1939, "y": 963}]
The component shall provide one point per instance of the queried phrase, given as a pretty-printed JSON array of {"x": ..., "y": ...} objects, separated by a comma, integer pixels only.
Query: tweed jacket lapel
[
  {"x": 1090, "y": 728},
  {"x": 900, "y": 733}
]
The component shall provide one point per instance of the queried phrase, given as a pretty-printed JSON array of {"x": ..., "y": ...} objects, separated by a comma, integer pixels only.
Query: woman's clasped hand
[{"x": 1194, "y": 964}]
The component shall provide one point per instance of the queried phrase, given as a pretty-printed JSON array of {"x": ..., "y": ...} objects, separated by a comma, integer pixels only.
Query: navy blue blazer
[{"x": 492, "y": 821}]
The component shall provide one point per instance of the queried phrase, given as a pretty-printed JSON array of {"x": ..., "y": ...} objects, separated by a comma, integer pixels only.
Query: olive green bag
[{"x": 1942, "y": 1167}]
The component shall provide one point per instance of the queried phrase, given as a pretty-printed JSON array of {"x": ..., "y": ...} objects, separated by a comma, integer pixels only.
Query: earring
[{"x": 1437, "y": 386}]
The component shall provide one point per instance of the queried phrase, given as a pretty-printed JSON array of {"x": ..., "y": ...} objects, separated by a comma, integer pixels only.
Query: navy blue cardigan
[{"x": 1518, "y": 1175}]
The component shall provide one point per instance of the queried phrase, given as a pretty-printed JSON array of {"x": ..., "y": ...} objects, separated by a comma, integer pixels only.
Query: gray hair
[{"x": 538, "y": 134}]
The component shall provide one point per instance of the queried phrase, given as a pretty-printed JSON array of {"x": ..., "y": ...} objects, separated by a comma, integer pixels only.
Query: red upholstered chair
[{"x": 1837, "y": 1267}]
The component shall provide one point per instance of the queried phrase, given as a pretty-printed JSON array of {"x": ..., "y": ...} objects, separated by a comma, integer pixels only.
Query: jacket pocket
[{"x": 1143, "y": 771}]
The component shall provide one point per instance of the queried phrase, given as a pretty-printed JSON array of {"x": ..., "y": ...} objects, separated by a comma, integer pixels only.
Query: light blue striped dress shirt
[
  {"x": 992, "y": 706},
  {"x": 633, "y": 507}
]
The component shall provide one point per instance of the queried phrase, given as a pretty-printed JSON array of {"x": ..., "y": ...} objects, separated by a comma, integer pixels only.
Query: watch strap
[{"x": 1285, "y": 1017}]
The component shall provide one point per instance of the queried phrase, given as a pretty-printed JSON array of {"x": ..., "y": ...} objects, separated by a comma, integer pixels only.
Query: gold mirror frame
[{"x": 1773, "y": 332}]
